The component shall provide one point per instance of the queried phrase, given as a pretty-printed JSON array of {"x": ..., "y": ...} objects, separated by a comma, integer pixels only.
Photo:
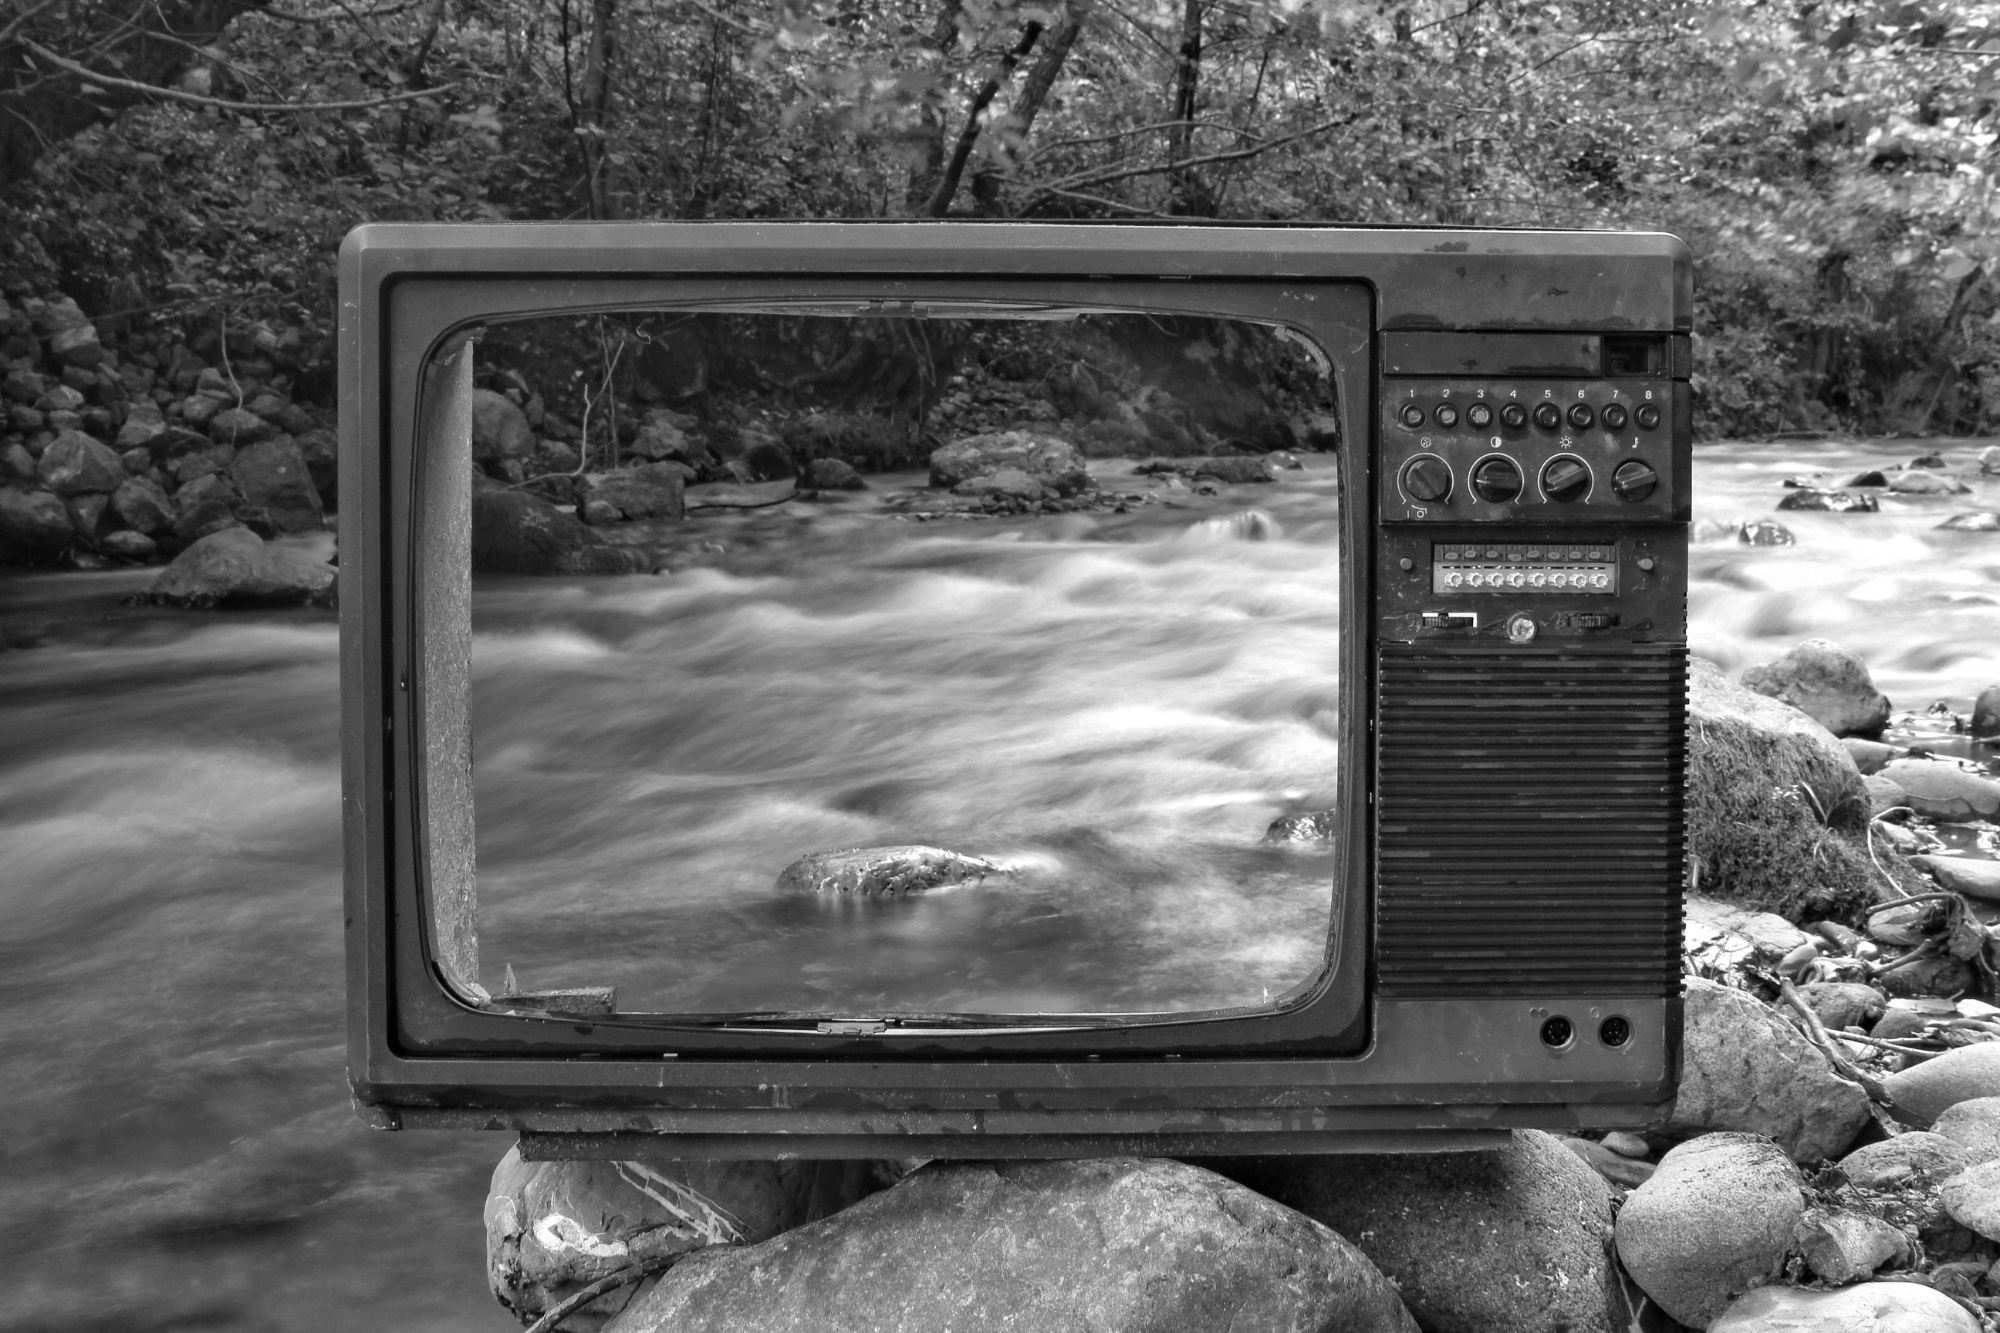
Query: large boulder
[
  {"x": 1924, "y": 482},
  {"x": 517, "y": 533},
  {"x": 1135, "y": 1246},
  {"x": 207, "y": 505},
  {"x": 1872, "y": 1307},
  {"x": 656, "y": 490},
  {"x": 1828, "y": 684},
  {"x": 76, "y": 464},
  {"x": 1717, "y": 1218},
  {"x": 1053, "y": 462},
  {"x": 272, "y": 475},
  {"x": 1986, "y": 708},
  {"x": 1974, "y": 1125},
  {"x": 1945, "y": 791},
  {"x": 1960, "y": 874},
  {"x": 1972, "y": 1197},
  {"x": 553, "y": 1228},
  {"x": 34, "y": 526},
  {"x": 1476, "y": 1241},
  {"x": 883, "y": 872},
  {"x": 1930, "y": 1089},
  {"x": 236, "y": 567},
  {"x": 1745, "y": 1068},
  {"x": 500, "y": 430},
  {"x": 1918, "y": 1158},
  {"x": 1777, "y": 813},
  {"x": 1237, "y": 470}
]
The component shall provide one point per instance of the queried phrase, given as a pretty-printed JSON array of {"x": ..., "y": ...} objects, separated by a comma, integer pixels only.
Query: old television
[{"x": 1340, "y": 811}]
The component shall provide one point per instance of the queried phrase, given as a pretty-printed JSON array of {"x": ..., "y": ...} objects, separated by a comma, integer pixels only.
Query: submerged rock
[
  {"x": 1827, "y": 683},
  {"x": 1237, "y": 470},
  {"x": 1764, "y": 532},
  {"x": 236, "y": 567},
  {"x": 883, "y": 872},
  {"x": 1986, "y": 521},
  {"x": 1716, "y": 1219},
  {"x": 1830, "y": 502},
  {"x": 1317, "y": 826},
  {"x": 1112, "y": 1243},
  {"x": 1510, "y": 1239},
  {"x": 1924, "y": 482},
  {"x": 517, "y": 533},
  {"x": 831, "y": 474},
  {"x": 1053, "y": 462}
]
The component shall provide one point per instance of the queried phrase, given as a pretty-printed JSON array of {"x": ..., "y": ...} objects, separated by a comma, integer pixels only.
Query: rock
[
  {"x": 138, "y": 462},
  {"x": 55, "y": 315},
  {"x": 86, "y": 515},
  {"x": 273, "y": 407},
  {"x": 1317, "y": 826},
  {"x": 76, "y": 464},
  {"x": 236, "y": 567},
  {"x": 1627, "y": 1144},
  {"x": 1974, "y": 1125},
  {"x": 1986, "y": 712},
  {"x": 1614, "y": 1167},
  {"x": 1938, "y": 975},
  {"x": 831, "y": 474},
  {"x": 1831, "y": 502},
  {"x": 77, "y": 347},
  {"x": 1841, "y": 1245},
  {"x": 319, "y": 450},
  {"x": 1866, "y": 477},
  {"x": 499, "y": 429},
  {"x": 1053, "y": 462},
  {"x": 883, "y": 872},
  {"x": 1974, "y": 879},
  {"x": 1770, "y": 791},
  {"x": 657, "y": 490},
  {"x": 1872, "y": 1307},
  {"x": 1972, "y": 1197},
  {"x": 129, "y": 545},
  {"x": 660, "y": 436},
  {"x": 767, "y": 460},
  {"x": 1108, "y": 1243},
  {"x": 1762, "y": 937},
  {"x": 1918, "y": 1158},
  {"x": 1745, "y": 1068},
  {"x": 144, "y": 423},
  {"x": 1842, "y": 1004},
  {"x": 1868, "y": 756},
  {"x": 1237, "y": 471},
  {"x": 552, "y": 1228},
  {"x": 17, "y": 464},
  {"x": 1927, "y": 1090},
  {"x": 1985, "y": 521},
  {"x": 1009, "y": 483},
  {"x": 1925, "y": 482},
  {"x": 206, "y": 506},
  {"x": 1477, "y": 1242},
  {"x": 1933, "y": 459},
  {"x": 1827, "y": 683},
  {"x": 1884, "y": 795},
  {"x": 23, "y": 386},
  {"x": 1716, "y": 1219},
  {"x": 1989, "y": 458},
  {"x": 197, "y": 410},
  {"x": 1945, "y": 791},
  {"x": 1764, "y": 532},
  {"x": 272, "y": 475},
  {"x": 239, "y": 426},
  {"x": 516, "y": 533},
  {"x": 34, "y": 525}
]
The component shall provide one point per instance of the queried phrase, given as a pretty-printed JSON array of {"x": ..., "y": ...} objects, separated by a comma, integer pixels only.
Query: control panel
[{"x": 1558, "y": 450}]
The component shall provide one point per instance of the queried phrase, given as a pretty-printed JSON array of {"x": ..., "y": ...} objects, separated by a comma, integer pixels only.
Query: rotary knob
[
  {"x": 1565, "y": 479},
  {"x": 1513, "y": 416},
  {"x": 1548, "y": 416},
  {"x": 1648, "y": 416},
  {"x": 1426, "y": 478},
  {"x": 1634, "y": 480},
  {"x": 1497, "y": 480}
]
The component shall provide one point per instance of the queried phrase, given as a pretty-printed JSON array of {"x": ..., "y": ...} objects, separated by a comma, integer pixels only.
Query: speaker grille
[{"x": 1529, "y": 823}]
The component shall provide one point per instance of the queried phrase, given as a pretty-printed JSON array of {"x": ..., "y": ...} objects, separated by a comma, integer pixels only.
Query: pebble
[
  {"x": 1627, "y": 1144},
  {"x": 1614, "y": 1167},
  {"x": 1841, "y": 1245},
  {"x": 1973, "y": 1124},
  {"x": 1842, "y": 1004},
  {"x": 1764, "y": 532},
  {"x": 1972, "y": 1197},
  {"x": 1930, "y": 1089},
  {"x": 1716, "y": 1219},
  {"x": 1871, "y": 1307}
]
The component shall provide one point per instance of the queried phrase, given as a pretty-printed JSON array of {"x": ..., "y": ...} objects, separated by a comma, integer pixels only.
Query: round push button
[
  {"x": 1513, "y": 416},
  {"x": 1648, "y": 416},
  {"x": 1427, "y": 479},
  {"x": 1412, "y": 415},
  {"x": 1614, "y": 416},
  {"x": 1634, "y": 480},
  {"x": 1548, "y": 416},
  {"x": 1497, "y": 480},
  {"x": 1580, "y": 416},
  {"x": 1565, "y": 479},
  {"x": 1479, "y": 416},
  {"x": 1447, "y": 415}
]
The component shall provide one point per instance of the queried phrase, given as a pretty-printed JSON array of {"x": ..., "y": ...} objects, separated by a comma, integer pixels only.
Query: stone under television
[{"x": 1012, "y": 689}]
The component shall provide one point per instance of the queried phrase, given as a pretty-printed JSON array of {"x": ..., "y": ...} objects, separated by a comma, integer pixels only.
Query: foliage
[{"x": 1830, "y": 162}]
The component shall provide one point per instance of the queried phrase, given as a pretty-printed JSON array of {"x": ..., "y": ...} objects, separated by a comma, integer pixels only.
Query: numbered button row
[{"x": 1546, "y": 416}]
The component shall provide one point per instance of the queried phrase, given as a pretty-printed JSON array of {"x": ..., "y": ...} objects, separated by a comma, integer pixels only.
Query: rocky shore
[{"x": 1832, "y": 1160}]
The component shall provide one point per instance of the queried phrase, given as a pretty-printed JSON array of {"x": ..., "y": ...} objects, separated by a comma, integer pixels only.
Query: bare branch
[
  {"x": 192, "y": 99},
  {"x": 1143, "y": 129},
  {"x": 20, "y": 20},
  {"x": 1235, "y": 155}
]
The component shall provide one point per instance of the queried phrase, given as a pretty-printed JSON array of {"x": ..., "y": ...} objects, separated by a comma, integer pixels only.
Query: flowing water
[{"x": 179, "y": 1152}]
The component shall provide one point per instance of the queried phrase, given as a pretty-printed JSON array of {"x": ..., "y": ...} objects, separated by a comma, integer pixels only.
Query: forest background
[{"x": 185, "y": 169}]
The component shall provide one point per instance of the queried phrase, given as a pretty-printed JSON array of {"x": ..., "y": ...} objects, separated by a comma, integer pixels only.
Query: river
[{"x": 179, "y": 1151}]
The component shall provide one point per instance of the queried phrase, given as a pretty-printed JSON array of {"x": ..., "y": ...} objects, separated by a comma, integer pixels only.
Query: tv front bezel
[{"x": 1333, "y": 1062}]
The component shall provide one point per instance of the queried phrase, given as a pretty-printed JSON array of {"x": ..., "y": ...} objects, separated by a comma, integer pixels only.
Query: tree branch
[
  {"x": 175, "y": 95},
  {"x": 1235, "y": 155},
  {"x": 940, "y": 200}
]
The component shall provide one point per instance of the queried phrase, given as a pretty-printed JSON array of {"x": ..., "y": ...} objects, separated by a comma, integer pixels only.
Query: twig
[
  {"x": 604, "y": 1286},
  {"x": 20, "y": 20},
  {"x": 1817, "y": 1035},
  {"x": 1921, "y": 1052},
  {"x": 761, "y": 504},
  {"x": 175, "y": 95},
  {"x": 1234, "y": 155},
  {"x": 223, "y": 319}
]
